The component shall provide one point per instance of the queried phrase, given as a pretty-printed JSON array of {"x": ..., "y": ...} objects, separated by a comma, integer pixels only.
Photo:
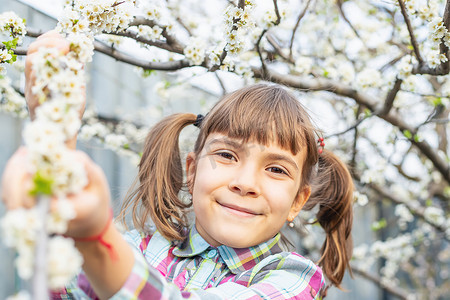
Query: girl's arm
[{"x": 107, "y": 270}]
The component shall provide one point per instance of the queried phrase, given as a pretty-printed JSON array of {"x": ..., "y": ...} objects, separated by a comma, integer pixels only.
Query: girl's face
[{"x": 244, "y": 193}]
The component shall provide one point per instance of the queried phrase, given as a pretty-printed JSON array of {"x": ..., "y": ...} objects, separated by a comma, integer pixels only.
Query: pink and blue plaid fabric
[{"x": 196, "y": 270}]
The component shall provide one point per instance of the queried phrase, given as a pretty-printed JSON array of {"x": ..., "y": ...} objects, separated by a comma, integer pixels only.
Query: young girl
[{"x": 256, "y": 163}]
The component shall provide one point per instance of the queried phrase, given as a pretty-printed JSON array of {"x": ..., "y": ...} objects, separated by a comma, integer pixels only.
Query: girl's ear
[
  {"x": 190, "y": 170},
  {"x": 299, "y": 202}
]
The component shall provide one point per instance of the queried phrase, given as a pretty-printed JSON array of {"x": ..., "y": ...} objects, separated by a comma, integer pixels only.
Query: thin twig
[
  {"x": 341, "y": 11},
  {"x": 272, "y": 41},
  {"x": 300, "y": 16},
  {"x": 277, "y": 12},
  {"x": 224, "y": 90},
  {"x": 411, "y": 32},
  {"x": 258, "y": 49},
  {"x": 354, "y": 126}
]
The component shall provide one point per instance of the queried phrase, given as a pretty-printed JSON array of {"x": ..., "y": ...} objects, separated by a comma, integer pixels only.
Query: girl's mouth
[{"x": 238, "y": 211}]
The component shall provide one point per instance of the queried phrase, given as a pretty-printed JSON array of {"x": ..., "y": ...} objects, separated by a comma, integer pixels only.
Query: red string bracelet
[{"x": 99, "y": 237}]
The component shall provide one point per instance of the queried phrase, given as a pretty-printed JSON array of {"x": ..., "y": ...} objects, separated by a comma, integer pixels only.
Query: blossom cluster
[
  {"x": 238, "y": 23},
  {"x": 95, "y": 17},
  {"x": 118, "y": 138},
  {"x": 195, "y": 51},
  {"x": 12, "y": 26},
  {"x": 12, "y": 31},
  {"x": 10, "y": 100}
]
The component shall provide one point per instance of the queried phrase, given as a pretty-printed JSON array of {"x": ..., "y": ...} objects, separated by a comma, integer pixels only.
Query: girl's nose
[{"x": 245, "y": 183}]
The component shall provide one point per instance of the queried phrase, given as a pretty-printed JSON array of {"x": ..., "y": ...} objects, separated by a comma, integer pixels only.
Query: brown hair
[{"x": 263, "y": 113}]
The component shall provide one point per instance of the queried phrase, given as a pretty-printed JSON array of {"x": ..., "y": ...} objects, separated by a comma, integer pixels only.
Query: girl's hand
[
  {"x": 50, "y": 39},
  {"x": 92, "y": 204}
]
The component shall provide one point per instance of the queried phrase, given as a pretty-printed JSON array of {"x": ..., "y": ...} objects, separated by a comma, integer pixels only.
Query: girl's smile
[{"x": 243, "y": 193}]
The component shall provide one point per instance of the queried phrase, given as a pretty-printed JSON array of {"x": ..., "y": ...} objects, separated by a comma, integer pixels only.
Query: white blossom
[
  {"x": 360, "y": 199},
  {"x": 368, "y": 78},
  {"x": 64, "y": 261},
  {"x": 303, "y": 64},
  {"x": 404, "y": 215},
  {"x": 434, "y": 215},
  {"x": 195, "y": 51},
  {"x": 59, "y": 217}
]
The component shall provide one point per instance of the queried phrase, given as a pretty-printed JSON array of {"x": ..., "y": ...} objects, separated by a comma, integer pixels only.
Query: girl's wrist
[{"x": 102, "y": 240}]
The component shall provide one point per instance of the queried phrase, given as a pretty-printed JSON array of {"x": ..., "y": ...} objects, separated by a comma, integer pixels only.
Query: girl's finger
[
  {"x": 50, "y": 33},
  {"x": 16, "y": 182},
  {"x": 50, "y": 42}
]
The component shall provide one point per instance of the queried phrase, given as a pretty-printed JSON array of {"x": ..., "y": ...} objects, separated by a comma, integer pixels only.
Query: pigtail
[
  {"x": 154, "y": 193},
  {"x": 332, "y": 189}
]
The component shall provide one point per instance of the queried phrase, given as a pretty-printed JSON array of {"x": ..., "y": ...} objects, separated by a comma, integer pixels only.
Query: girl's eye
[
  {"x": 276, "y": 170},
  {"x": 226, "y": 155}
]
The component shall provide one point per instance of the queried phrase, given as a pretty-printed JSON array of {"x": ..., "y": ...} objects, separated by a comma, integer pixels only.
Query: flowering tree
[{"x": 379, "y": 69}]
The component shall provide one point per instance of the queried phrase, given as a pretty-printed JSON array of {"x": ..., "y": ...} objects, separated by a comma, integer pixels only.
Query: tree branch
[
  {"x": 443, "y": 48},
  {"x": 17, "y": 51},
  {"x": 147, "y": 65},
  {"x": 411, "y": 32},
  {"x": 159, "y": 44},
  {"x": 389, "y": 102},
  {"x": 169, "y": 38}
]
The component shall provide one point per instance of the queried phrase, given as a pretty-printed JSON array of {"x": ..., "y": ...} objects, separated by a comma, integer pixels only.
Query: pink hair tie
[{"x": 321, "y": 144}]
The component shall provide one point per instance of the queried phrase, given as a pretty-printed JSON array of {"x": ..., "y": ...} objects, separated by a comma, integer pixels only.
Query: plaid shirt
[{"x": 196, "y": 270}]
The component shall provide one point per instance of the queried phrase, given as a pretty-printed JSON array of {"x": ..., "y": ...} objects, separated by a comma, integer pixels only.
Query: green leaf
[
  {"x": 42, "y": 185},
  {"x": 382, "y": 223},
  {"x": 407, "y": 134},
  {"x": 367, "y": 112},
  {"x": 428, "y": 202},
  {"x": 147, "y": 73},
  {"x": 126, "y": 146},
  {"x": 416, "y": 138},
  {"x": 11, "y": 44}
]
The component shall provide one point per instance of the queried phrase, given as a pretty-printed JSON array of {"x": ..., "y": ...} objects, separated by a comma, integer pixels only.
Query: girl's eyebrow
[
  {"x": 231, "y": 143},
  {"x": 281, "y": 157}
]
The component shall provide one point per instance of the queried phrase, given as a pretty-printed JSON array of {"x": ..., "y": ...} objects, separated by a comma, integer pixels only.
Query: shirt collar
[{"x": 237, "y": 260}]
